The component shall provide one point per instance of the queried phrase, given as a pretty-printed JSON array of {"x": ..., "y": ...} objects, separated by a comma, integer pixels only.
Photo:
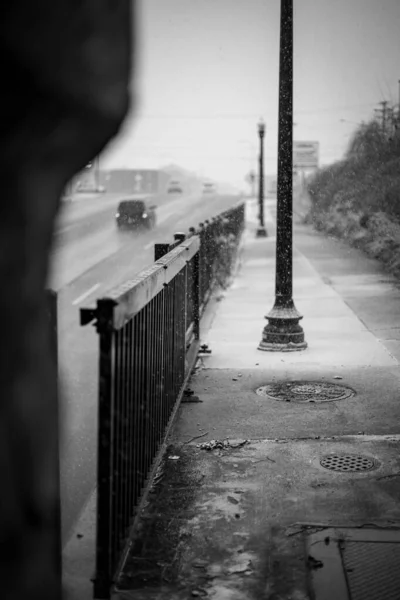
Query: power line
[
  {"x": 334, "y": 108},
  {"x": 254, "y": 116}
]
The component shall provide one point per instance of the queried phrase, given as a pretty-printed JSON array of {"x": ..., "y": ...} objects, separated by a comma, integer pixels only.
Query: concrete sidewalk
[{"x": 254, "y": 514}]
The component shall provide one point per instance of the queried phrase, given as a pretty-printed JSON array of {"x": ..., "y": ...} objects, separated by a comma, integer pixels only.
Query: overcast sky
[{"x": 207, "y": 70}]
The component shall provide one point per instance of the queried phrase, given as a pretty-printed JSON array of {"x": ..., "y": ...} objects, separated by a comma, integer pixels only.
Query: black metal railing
[
  {"x": 218, "y": 247},
  {"x": 149, "y": 330}
]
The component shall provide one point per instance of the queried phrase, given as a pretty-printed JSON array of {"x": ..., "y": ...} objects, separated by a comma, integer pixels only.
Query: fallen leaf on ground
[
  {"x": 314, "y": 564},
  {"x": 222, "y": 444},
  {"x": 199, "y": 564},
  {"x": 233, "y": 500},
  {"x": 189, "y": 399},
  {"x": 237, "y": 443},
  {"x": 242, "y": 567}
]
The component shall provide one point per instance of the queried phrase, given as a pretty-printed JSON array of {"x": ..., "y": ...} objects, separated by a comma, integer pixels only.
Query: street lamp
[
  {"x": 252, "y": 178},
  {"x": 261, "y": 231},
  {"x": 283, "y": 332}
]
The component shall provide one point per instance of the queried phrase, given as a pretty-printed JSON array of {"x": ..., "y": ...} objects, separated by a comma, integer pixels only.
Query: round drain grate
[
  {"x": 347, "y": 463},
  {"x": 305, "y": 391}
]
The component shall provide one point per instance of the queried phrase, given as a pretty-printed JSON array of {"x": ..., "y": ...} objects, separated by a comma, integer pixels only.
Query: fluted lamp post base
[
  {"x": 283, "y": 333},
  {"x": 261, "y": 232}
]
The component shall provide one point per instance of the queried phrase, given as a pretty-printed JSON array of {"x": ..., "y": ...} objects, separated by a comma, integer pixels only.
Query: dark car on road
[
  {"x": 135, "y": 213},
  {"x": 175, "y": 188}
]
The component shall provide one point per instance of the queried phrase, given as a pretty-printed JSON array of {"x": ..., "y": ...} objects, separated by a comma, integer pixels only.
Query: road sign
[{"x": 305, "y": 155}]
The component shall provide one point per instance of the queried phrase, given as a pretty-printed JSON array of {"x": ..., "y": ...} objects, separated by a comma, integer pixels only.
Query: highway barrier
[{"x": 149, "y": 332}]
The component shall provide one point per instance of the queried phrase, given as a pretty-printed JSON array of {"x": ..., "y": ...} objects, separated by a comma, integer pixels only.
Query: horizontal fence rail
[{"x": 147, "y": 329}]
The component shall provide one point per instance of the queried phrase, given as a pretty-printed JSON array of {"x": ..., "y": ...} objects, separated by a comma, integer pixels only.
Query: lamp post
[
  {"x": 261, "y": 231},
  {"x": 283, "y": 332}
]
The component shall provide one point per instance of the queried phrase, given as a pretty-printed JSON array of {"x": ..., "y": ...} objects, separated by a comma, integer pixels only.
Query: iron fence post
[
  {"x": 104, "y": 564},
  {"x": 181, "y": 237},
  {"x": 53, "y": 318},
  {"x": 202, "y": 253},
  {"x": 196, "y": 295},
  {"x": 160, "y": 250}
]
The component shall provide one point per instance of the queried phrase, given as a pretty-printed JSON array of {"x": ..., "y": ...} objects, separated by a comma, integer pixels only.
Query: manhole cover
[
  {"x": 347, "y": 463},
  {"x": 305, "y": 391}
]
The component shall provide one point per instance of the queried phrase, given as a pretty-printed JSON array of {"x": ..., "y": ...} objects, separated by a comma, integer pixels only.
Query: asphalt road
[{"x": 90, "y": 257}]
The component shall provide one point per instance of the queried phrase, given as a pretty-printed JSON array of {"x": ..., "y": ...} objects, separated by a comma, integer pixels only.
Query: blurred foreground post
[
  {"x": 283, "y": 332},
  {"x": 65, "y": 76}
]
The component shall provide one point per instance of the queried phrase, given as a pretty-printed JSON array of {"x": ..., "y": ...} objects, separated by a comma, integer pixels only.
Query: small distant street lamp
[
  {"x": 261, "y": 231},
  {"x": 283, "y": 332},
  {"x": 251, "y": 178}
]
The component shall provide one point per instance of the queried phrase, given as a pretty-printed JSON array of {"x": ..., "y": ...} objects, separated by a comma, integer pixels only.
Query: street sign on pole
[{"x": 305, "y": 155}]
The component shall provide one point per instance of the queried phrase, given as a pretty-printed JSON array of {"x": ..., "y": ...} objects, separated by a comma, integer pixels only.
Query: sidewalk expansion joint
[{"x": 363, "y": 437}]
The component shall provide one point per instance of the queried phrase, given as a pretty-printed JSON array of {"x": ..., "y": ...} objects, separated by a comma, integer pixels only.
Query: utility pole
[
  {"x": 391, "y": 121},
  {"x": 397, "y": 119},
  {"x": 384, "y": 114},
  {"x": 398, "y": 107},
  {"x": 283, "y": 332}
]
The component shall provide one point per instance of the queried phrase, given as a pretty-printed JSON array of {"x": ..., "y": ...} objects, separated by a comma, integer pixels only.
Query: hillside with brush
[{"x": 358, "y": 198}]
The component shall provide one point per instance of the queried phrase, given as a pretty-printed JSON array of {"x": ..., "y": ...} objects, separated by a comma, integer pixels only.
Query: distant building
[{"x": 134, "y": 181}]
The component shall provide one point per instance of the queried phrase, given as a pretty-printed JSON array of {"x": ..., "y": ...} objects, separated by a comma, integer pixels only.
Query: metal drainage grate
[
  {"x": 305, "y": 391},
  {"x": 348, "y": 463}
]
